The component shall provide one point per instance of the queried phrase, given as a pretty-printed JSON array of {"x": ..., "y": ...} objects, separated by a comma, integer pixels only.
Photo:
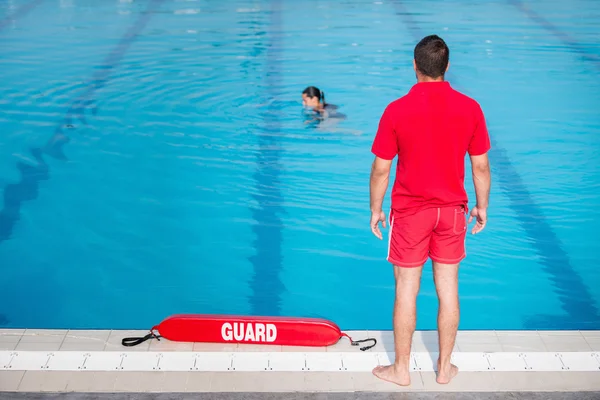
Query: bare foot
[
  {"x": 394, "y": 374},
  {"x": 446, "y": 374}
]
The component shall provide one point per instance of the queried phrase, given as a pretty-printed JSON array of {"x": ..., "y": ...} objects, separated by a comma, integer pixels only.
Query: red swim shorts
[{"x": 436, "y": 233}]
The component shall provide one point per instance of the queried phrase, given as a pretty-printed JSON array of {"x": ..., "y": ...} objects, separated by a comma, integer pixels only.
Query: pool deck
[{"x": 59, "y": 361}]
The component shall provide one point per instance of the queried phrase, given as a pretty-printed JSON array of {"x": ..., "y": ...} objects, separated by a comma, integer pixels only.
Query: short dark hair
[{"x": 431, "y": 56}]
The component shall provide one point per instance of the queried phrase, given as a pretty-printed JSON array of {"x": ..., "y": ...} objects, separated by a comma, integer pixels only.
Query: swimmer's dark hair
[
  {"x": 431, "y": 56},
  {"x": 312, "y": 91}
]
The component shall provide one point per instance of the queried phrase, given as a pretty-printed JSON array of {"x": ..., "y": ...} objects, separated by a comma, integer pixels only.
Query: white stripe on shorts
[{"x": 390, "y": 237}]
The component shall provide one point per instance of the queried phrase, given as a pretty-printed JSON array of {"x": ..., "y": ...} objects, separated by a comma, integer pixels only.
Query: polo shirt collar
[{"x": 430, "y": 85}]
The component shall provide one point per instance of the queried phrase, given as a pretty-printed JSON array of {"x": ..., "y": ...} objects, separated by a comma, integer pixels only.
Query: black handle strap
[
  {"x": 134, "y": 341},
  {"x": 358, "y": 342}
]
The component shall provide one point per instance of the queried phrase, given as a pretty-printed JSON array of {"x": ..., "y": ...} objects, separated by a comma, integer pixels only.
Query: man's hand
[
  {"x": 480, "y": 214},
  {"x": 376, "y": 218}
]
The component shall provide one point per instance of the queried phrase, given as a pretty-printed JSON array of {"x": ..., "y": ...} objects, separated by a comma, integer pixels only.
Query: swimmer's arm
[{"x": 380, "y": 177}]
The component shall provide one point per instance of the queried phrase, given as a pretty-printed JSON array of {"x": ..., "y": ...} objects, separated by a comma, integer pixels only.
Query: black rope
[
  {"x": 358, "y": 342},
  {"x": 134, "y": 341}
]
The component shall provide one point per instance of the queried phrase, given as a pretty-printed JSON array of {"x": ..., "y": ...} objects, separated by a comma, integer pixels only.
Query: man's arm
[
  {"x": 480, "y": 167},
  {"x": 380, "y": 177},
  {"x": 482, "y": 180},
  {"x": 385, "y": 148}
]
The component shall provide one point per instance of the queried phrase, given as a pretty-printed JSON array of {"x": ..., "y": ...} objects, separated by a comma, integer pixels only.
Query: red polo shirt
[{"x": 431, "y": 129}]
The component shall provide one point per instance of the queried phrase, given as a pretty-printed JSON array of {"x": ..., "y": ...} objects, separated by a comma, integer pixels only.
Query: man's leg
[
  {"x": 447, "y": 250},
  {"x": 408, "y": 281},
  {"x": 409, "y": 239},
  {"x": 446, "y": 285}
]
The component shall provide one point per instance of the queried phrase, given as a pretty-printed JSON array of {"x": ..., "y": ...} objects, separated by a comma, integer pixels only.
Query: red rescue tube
[
  {"x": 282, "y": 331},
  {"x": 258, "y": 330}
]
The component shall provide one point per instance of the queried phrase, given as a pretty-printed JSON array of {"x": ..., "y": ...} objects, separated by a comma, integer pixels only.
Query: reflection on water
[{"x": 26, "y": 189}]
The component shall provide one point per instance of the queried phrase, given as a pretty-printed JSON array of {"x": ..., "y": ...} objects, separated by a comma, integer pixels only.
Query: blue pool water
[{"x": 195, "y": 187}]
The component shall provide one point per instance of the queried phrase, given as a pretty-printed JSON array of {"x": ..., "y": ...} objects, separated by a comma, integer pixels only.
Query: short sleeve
[
  {"x": 385, "y": 144},
  {"x": 480, "y": 141}
]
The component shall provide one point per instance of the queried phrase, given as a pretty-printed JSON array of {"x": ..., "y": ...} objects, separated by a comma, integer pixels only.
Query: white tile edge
[{"x": 289, "y": 362}]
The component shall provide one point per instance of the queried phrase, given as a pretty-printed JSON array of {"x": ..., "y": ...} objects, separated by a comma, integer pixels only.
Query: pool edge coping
[{"x": 499, "y": 342}]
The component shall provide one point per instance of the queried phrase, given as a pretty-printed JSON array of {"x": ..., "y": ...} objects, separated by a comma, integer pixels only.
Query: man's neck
[{"x": 423, "y": 79}]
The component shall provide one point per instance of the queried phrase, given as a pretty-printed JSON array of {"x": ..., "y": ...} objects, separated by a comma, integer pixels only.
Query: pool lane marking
[
  {"x": 266, "y": 284},
  {"x": 85, "y": 101},
  {"x": 28, "y": 186},
  {"x": 564, "y": 37},
  {"x": 572, "y": 292},
  {"x": 19, "y": 13}
]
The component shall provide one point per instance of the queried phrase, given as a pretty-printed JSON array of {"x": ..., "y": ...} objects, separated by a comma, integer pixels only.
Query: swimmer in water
[
  {"x": 323, "y": 116},
  {"x": 314, "y": 99}
]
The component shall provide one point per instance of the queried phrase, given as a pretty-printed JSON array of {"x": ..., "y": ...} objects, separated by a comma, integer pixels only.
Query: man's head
[{"x": 431, "y": 58}]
